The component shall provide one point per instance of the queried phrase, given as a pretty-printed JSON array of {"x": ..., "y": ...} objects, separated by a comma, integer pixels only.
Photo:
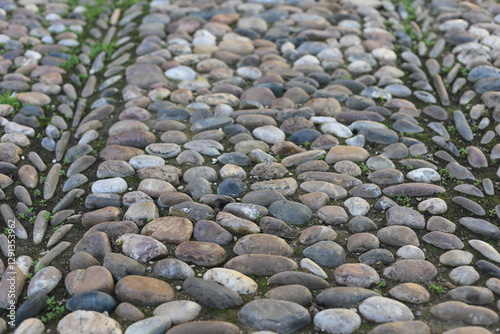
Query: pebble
[
  {"x": 410, "y": 292},
  {"x": 406, "y": 327},
  {"x": 382, "y": 309},
  {"x": 152, "y": 248},
  {"x": 326, "y": 253},
  {"x": 411, "y": 271},
  {"x": 339, "y": 297},
  {"x": 179, "y": 311},
  {"x": 232, "y": 279},
  {"x": 261, "y": 264},
  {"x": 142, "y": 290},
  {"x": 310, "y": 281},
  {"x": 455, "y": 258},
  {"x": 337, "y": 321},
  {"x": 92, "y": 301},
  {"x": 460, "y": 312},
  {"x": 82, "y": 321},
  {"x": 211, "y": 293},
  {"x": 150, "y": 325},
  {"x": 44, "y": 281},
  {"x": 464, "y": 275},
  {"x": 205, "y": 326},
  {"x": 274, "y": 315}
]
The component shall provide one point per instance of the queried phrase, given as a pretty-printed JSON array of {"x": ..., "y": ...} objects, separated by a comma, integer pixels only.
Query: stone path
[{"x": 250, "y": 166}]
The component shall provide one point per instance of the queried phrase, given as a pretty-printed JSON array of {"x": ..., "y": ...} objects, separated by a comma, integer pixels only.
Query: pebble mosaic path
[{"x": 263, "y": 166}]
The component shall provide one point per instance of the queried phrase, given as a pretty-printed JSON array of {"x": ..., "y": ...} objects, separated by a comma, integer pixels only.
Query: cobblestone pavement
[{"x": 262, "y": 166}]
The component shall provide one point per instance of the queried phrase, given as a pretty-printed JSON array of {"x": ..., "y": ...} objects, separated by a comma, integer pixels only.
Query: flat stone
[
  {"x": 480, "y": 226},
  {"x": 154, "y": 324},
  {"x": 85, "y": 321},
  {"x": 343, "y": 296},
  {"x": 456, "y": 258},
  {"x": 471, "y": 295},
  {"x": 141, "y": 248},
  {"x": 201, "y": 253},
  {"x": 211, "y": 293},
  {"x": 398, "y": 236},
  {"x": 261, "y": 264},
  {"x": 92, "y": 301},
  {"x": 232, "y": 279},
  {"x": 460, "y": 312},
  {"x": 411, "y": 271},
  {"x": 413, "y": 189},
  {"x": 310, "y": 281},
  {"x": 179, "y": 311},
  {"x": 356, "y": 274},
  {"x": 262, "y": 244},
  {"x": 174, "y": 230},
  {"x": 290, "y": 212},
  {"x": 208, "y": 327},
  {"x": 350, "y": 153},
  {"x": 399, "y": 215},
  {"x": 142, "y": 290},
  {"x": 443, "y": 240},
  {"x": 402, "y": 327},
  {"x": 274, "y": 315},
  {"x": 410, "y": 292},
  {"x": 173, "y": 269},
  {"x": 485, "y": 249},
  {"x": 326, "y": 253},
  {"x": 337, "y": 321},
  {"x": 332, "y": 190}
]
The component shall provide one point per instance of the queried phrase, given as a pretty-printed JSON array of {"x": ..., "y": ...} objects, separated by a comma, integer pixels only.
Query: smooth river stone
[
  {"x": 332, "y": 190},
  {"x": 485, "y": 249},
  {"x": 413, "y": 190},
  {"x": 326, "y": 253},
  {"x": 80, "y": 322},
  {"x": 201, "y": 253},
  {"x": 343, "y": 296},
  {"x": 456, "y": 311},
  {"x": 44, "y": 281},
  {"x": 274, "y": 315},
  {"x": 411, "y": 271},
  {"x": 174, "y": 230},
  {"x": 469, "y": 205},
  {"x": 211, "y": 293},
  {"x": 142, "y": 290},
  {"x": 480, "y": 226},
  {"x": 337, "y": 321},
  {"x": 236, "y": 225},
  {"x": 260, "y": 264},
  {"x": 310, "y": 281},
  {"x": 350, "y": 153},
  {"x": 399, "y": 215},
  {"x": 134, "y": 138},
  {"x": 179, "y": 311},
  {"x": 205, "y": 327},
  {"x": 402, "y": 327},
  {"x": 262, "y": 244},
  {"x": 141, "y": 248},
  {"x": 50, "y": 184}
]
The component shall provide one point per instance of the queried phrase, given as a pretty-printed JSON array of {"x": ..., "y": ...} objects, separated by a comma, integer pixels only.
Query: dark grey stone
[
  {"x": 326, "y": 253},
  {"x": 92, "y": 301},
  {"x": 211, "y": 293},
  {"x": 291, "y": 212},
  {"x": 279, "y": 316}
]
